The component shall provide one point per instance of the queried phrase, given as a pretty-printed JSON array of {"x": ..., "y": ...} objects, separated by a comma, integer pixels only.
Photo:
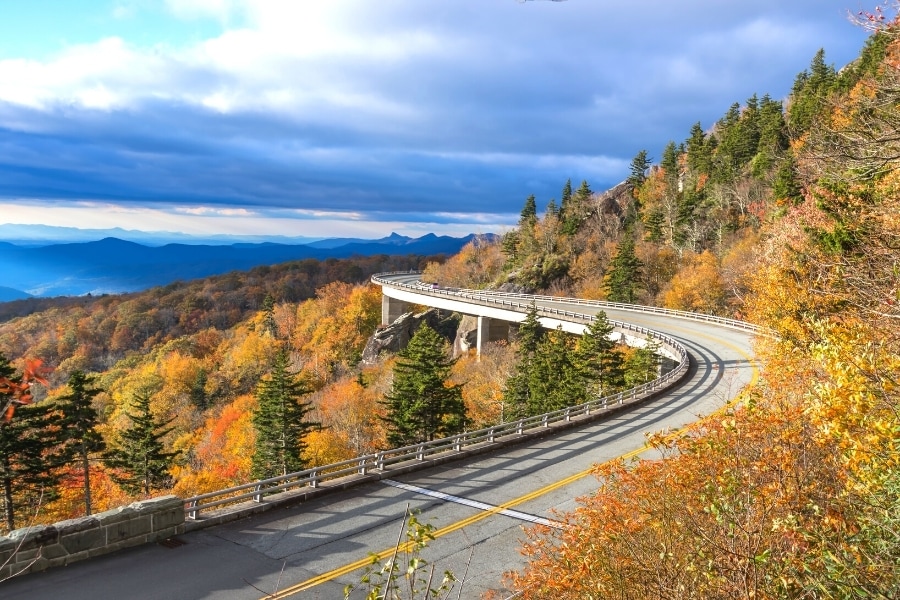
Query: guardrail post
[
  {"x": 568, "y": 416},
  {"x": 457, "y": 443},
  {"x": 545, "y": 421},
  {"x": 379, "y": 461},
  {"x": 362, "y": 467},
  {"x": 520, "y": 427},
  {"x": 192, "y": 510},
  {"x": 258, "y": 497},
  {"x": 420, "y": 452},
  {"x": 314, "y": 479}
]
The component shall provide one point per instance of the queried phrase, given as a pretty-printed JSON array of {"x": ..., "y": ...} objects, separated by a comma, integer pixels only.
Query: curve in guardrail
[
  {"x": 427, "y": 290},
  {"x": 495, "y": 435}
]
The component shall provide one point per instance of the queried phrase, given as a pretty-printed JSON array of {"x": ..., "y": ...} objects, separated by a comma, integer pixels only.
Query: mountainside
[
  {"x": 8, "y": 293},
  {"x": 112, "y": 265}
]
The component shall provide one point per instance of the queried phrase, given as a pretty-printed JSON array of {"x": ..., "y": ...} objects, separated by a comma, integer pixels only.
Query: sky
[{"x": 335, "y": 118}]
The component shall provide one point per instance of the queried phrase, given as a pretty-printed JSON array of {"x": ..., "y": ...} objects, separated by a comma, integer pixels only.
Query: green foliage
[
  {"x": 406, "y": 575},
  {"x": 29, "y": 461},
  {"x": 30, "y": 445},
  {"x": 517, "y": 398},
  {"x": 598, "y": 363},
  {"x": 642, "y": 365},
  {"x": 809, "y": 94},
  {"x": 553, "y": 381},
  {"x": 639, "y": 165},
  {"x": 421, "y": 406},
  {"x": 138, "y": 456},
  {"x": 79, "y": 425},
  {"x": 280, "y": 422},
  {"x": 529, "y": 211},
  {"x": 623, "y": 276}
]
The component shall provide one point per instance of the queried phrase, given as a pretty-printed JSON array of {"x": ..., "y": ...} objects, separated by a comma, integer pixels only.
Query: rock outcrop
[{"x": 394, "y": 337}]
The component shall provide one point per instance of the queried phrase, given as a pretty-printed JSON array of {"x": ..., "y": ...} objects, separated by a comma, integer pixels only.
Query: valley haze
[{"x": 112, "y": 265}]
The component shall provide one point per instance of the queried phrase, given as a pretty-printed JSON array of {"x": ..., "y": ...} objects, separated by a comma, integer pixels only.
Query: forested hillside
[
  {"x": 781, "y": 213},
  {"x": 788, "y": 217},
  {"x": 185, "y": 360}
]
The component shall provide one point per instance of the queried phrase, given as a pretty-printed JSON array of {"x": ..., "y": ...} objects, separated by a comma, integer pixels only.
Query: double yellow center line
[{"x": 351, "y": 567}]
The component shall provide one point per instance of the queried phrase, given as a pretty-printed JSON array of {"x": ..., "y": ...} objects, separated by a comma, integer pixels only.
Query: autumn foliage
[{"x": 795, "y": 491}]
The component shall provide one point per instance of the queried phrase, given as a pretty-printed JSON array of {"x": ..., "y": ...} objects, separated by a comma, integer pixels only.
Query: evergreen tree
[
  {"x": 517, "y": 391},
  {"x": 653, "y": 226},
  {"x": 808, "y": 96},
  {"x": 699, "y": 152},
  {"x": 198, "y": 390},
  {"x": 29, "y": 460},
  {"x": 552, "y": 209},
  {"x": 669, "y": 162},
  {"x": 553, "y": 381},
  {"x": 623, "y": 275},
  {"x": 773, "y": 140},
  {"x": 280, "y": 422},
  {"x": 421, "y": 405},
  {"x": 139, "y": 454},
  {"x": 599, "y": 364},
  {"x": 79, "y": 423},
  {"x": 529, "y": 211},
  {"x": 29, "y": 454},
  {"x": 786, "y": 185},
  {"x": 639, "y": 165},
  {"x": 269, "y": 324},
  {"x": 566, "y": 196},
  {"x": 642, "y": 365},
  {"x": 575, "y": 208}
]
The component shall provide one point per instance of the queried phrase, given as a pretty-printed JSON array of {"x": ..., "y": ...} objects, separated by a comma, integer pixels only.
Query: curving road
[{"x": 312, "y": 550}]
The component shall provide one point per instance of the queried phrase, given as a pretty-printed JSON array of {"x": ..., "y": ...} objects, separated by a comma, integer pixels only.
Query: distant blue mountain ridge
[{"x": 112, "y": 265}]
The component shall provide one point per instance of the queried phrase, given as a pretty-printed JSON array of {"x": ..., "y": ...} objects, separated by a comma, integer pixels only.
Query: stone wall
[{"x": 38, "y": 548}]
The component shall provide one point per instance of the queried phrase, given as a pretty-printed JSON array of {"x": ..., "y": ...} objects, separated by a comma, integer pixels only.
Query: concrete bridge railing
[
  {"x": 45, "y": 546},
  {"x": 38, "y": 548}
]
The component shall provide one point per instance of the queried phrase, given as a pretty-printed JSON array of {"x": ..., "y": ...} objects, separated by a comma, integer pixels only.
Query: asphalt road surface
[{"x": 313, "y": 549}]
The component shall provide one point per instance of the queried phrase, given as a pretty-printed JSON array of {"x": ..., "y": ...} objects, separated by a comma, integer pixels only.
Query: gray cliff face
[{"x": 394, "y": 337}]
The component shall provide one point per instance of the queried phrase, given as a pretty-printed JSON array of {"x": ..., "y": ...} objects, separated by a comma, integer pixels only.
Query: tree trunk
[
  {"x": 8, "y": 502},
  {"x": 87, "y": 480}
]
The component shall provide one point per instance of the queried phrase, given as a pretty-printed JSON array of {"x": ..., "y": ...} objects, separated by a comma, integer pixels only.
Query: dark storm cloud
[{"x": 491, "y": 102}]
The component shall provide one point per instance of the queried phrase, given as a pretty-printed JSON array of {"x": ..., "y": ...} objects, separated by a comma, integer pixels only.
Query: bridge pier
[
  {"x": 392, "y": 309},
  {"x": 490, "y": 330}
]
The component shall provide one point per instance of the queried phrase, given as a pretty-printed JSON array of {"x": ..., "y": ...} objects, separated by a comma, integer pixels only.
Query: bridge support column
[
  {"x": 392, "y": 309},
  {"x": 491, "y": 330}
]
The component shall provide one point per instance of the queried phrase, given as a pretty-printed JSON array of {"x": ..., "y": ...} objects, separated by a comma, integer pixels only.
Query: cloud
[{"x": 397, "y": 107}]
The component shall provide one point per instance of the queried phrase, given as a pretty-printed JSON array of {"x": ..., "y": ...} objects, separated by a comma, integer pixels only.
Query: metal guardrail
[
  {"x": 497, "y": 434},
  {"x": 487, "y": 294}
]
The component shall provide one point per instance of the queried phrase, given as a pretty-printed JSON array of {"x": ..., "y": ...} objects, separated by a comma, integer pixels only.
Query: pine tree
[
  {"x": 553, "y": 380},
  {"x": 786, "y": 186},
  {"x": 566, "y": 196},
  {"x": 280, "y": 422},
  {"x": 139, "y": 455},
  {"x": 574, "y": 212},
  {"x": 421, "y": 406},
  {"x": 552, "y": 209},
  {"x": 623, "y": 276},
  {"x": 699, "y": 152},
  {"x": 270, "y": 326},
  {"x": 29, "y": 454},
  {"x": 79, "y": 422},
  {"x": 599, "y": 364},
  {"x": 517, "y": 391},
  {"x": 198, "y": 390},
  {"x": 642, "y": 365},
  {"x": 639, "y": 165},
  {"x": 529, "y": 212},
  {"x": 29, "y": 468}
]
